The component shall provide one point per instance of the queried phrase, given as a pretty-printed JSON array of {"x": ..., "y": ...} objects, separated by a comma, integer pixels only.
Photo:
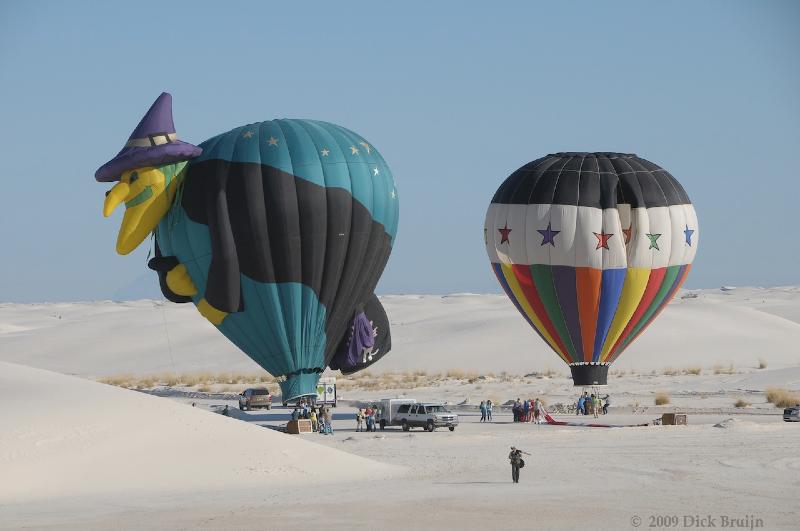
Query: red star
[
  {"x": 627, "y": 233},
  {"x": 504, "y": 234},
  {"x": 602, "y": 240}
]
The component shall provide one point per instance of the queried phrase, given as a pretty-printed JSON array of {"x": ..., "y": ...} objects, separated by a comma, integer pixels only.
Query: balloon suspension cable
[{"x": 166, "y": 333}]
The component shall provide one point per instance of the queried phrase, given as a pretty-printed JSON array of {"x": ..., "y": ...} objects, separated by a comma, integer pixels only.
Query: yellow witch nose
[{"x": 114, "y": 197}]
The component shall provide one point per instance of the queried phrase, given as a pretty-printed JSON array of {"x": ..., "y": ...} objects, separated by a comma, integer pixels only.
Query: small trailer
[
  {"x": 388, "y": 409},
  {"x": 326, "y": 391}
]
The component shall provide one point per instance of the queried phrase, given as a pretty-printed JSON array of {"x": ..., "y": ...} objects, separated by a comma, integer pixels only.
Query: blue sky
[{"x": 456, "y": 95}]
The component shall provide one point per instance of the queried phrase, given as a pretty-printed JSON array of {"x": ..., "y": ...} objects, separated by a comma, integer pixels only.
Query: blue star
[
  {"x": 688, "y": 233},
  {"x": 548, "y": 235}
]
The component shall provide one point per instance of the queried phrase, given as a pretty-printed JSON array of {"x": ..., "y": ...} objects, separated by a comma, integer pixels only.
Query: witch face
[{"x": 147, "y": 196}]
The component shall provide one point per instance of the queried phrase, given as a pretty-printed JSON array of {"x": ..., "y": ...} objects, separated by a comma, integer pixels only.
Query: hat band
[{"x": 152, "y": 140}]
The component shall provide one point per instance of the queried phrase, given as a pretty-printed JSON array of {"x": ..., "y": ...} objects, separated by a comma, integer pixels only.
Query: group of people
[
  {"x": 320, "y": 417},
  {"x": 592, "y": 404},
  {"x": 368, "y": 416},
  {"x": 486, "y": 410},
  {"x": 531, "y": 410}
]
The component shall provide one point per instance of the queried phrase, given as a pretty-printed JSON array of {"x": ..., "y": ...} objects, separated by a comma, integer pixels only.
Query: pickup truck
[
  {"x": 255, "y": 398},
  {"x": 426, "y": 416}
]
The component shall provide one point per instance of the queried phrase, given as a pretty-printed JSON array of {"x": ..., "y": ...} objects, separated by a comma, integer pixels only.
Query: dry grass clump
[
  {"x": 741, "y": 403},
  {"x": 722, "y": 369},
  {"x": 121, "y": 380},
  {"x": 456, "y": 374},
  {"x": 669, "y": 371},
  {"x": 781, "y": 397},
  {"x": 662, "y": 398},
  {"x": 169, "y": 379},
  {"x": 147, "y": 382},
  {"x": 693, "y": 370},
  {"x": 762, "y": 363},
  {"x": 205, "y": 388}
]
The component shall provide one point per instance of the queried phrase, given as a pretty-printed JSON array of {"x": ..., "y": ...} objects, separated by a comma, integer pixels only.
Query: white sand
[
  {"x": 481, "y": 333},
  {"x": 62, "y": 436},
  {"x": 75, "y": 454}
]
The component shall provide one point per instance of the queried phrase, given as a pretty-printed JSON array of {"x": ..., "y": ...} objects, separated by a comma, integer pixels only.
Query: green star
[{"x": 654, "y": 241}]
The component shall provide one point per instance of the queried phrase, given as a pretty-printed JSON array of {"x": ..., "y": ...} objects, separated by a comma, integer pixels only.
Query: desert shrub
[
  {"x": 169, "y": 379},
  {"x": 456, "y": 374},
  {"x": 662, "y": 398},
  {"x": 205, "y": 388},
  {"x": 145, "y": 382},
  {"x": 723, "y": 369},
  {"x": 693, "y": 370},
  {"x": 120, "y": 380},
  {"x": 741, "y": 403},
  {"x": 762, "y": 363},
  {"x": 781, "y": 397},
  {"x": 188, "y": 379},
  {"x": 669, "y": 371}
]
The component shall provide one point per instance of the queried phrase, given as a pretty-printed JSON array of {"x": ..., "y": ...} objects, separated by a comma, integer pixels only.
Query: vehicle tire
[
  {"x": 269, "y": 406},
  {"x": 383, "y": 424},
  {"x": 452, "y": 428},
  {"x": 406, "y": 427},
  {"x": 430, "y": 426},
  {"x": 241, "y": 407}
]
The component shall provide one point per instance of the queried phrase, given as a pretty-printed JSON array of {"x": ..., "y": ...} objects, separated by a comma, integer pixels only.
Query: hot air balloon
[
  {"x": 277, "y": 231},
  {"x": 590, "y": 247}
]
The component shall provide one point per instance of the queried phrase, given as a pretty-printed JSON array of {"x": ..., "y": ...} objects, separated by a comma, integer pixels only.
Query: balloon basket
[{"x": 589, "y": 374}]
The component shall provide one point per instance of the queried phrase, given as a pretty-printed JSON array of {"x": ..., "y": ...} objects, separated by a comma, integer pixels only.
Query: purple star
[{"x": 548, "y": 235}]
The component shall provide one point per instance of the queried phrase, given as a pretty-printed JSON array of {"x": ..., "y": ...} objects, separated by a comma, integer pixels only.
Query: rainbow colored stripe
[{"x": 589, "y": 315}]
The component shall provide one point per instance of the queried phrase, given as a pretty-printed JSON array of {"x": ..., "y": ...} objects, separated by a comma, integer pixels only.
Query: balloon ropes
[
  {"x": 590, "y": 248},
  {"x": 276, "y": 231}
]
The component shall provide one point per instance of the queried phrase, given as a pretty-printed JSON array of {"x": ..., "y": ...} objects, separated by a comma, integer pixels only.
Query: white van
[{"x": 389, "y": 409}]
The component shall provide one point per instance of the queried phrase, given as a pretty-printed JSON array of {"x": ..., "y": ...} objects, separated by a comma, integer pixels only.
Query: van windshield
[{"x": 260, "y": 392}]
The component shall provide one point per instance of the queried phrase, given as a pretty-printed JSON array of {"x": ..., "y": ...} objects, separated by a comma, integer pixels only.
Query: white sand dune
[
  {"x": 482, "y": 333},
  {"x": 75, "y": 454},
  {"x": 62, "y": 436}
]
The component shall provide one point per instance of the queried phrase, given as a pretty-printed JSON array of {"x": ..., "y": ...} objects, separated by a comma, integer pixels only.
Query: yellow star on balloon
[
  {"x": 248, "y": 134},
  {"x": 272, "y": 141},
  {"x": 354, "y": 150},
  {"x": 366, "y": 146}
]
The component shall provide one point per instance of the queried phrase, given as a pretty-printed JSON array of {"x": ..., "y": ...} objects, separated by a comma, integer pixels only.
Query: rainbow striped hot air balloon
[{"x": 590, "y": 247}]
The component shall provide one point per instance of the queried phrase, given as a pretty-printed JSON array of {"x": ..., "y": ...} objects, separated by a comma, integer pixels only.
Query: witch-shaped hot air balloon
[
  {"x": 277, "y": 231},
  {"x": 590, "y": 247}
]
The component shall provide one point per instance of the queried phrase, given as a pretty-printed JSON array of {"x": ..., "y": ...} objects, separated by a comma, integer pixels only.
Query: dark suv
[{"x": 255, "y": 398}]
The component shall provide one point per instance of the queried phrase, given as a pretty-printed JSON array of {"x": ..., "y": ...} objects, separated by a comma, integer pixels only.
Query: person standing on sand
[
  {"x": 537, "y": 410},
  {"x": 489, "y": 410},
  {"x": 368, "y": 416},
  {"x": 313, "y": 417},
  {"x": 360, "y": 419},
  {"x": 595, "y": 405},
  {"x": 606, "y": 402},
  {"x": 515, "y": 456},
  {"x": 526, "y": 411},
  {"x": 483, "y": 411}
]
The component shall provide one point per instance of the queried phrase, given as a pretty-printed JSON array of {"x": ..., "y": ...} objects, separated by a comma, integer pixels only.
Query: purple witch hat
[{"x": 152, "y": 143}]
